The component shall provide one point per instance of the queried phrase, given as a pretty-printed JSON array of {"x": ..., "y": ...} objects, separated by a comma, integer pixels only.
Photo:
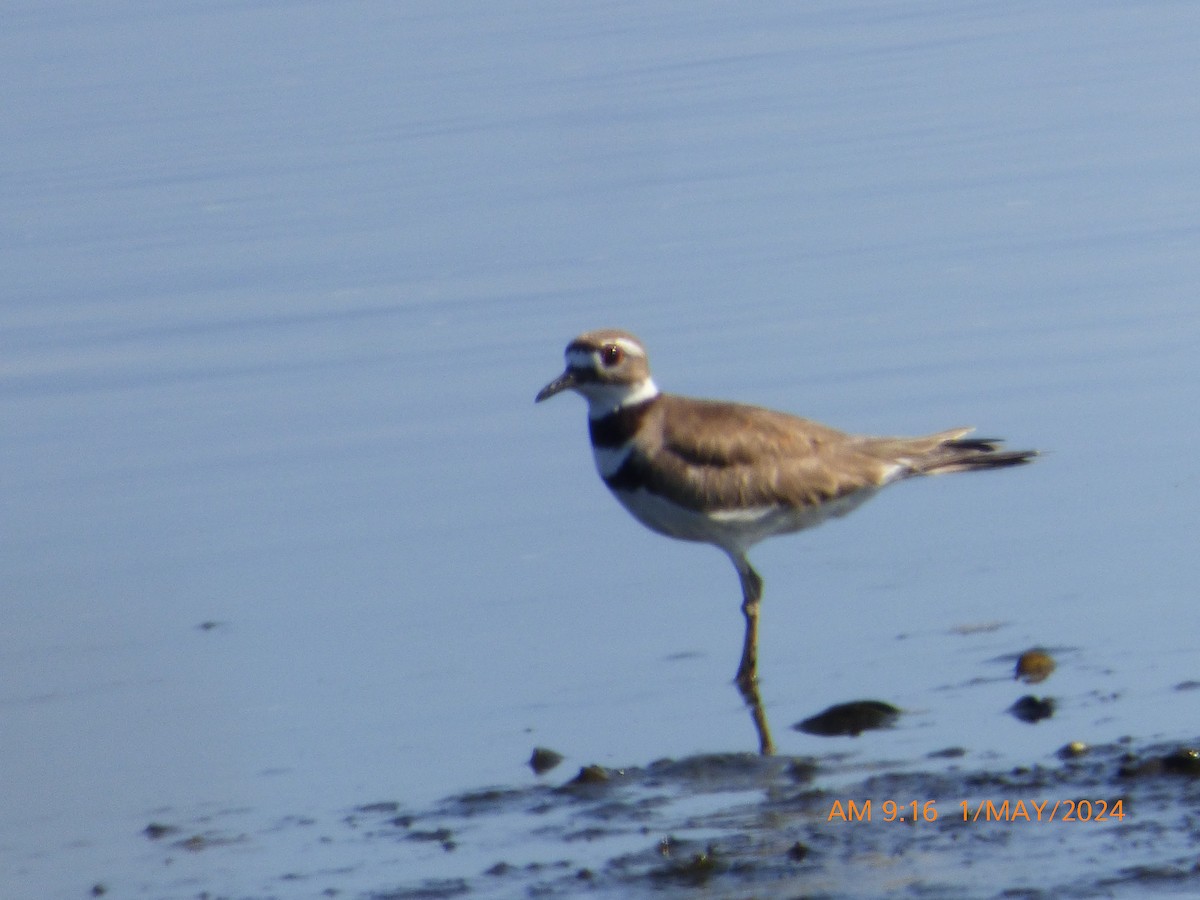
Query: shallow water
[{"x": 284, "y": 533}]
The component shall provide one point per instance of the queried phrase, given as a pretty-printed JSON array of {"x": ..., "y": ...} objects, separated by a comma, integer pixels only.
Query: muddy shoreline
[{"x": 1107, "y": 821}]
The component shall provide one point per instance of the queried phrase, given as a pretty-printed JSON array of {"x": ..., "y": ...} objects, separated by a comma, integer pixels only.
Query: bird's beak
[{"x": 563, "y": 382}]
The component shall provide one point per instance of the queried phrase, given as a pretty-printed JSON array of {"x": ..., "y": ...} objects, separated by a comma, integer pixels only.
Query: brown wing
[{"x": 721, "y": 455}]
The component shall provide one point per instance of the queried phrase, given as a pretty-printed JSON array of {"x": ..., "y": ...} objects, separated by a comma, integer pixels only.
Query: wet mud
[{"x": 1107, "y": 821}]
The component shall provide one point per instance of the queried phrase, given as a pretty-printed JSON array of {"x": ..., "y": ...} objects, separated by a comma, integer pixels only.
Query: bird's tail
[{"x": 951, "y": 452}]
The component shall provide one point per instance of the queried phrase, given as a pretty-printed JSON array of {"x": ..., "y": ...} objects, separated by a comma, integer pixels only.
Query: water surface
[{"x": 284, "y": 533}]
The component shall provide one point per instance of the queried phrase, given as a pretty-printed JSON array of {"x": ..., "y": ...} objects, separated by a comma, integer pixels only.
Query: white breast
[{"x": 734, "y": 530}]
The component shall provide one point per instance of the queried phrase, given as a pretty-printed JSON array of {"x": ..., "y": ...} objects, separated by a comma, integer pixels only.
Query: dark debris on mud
[{"x": 1107, "y": 821}]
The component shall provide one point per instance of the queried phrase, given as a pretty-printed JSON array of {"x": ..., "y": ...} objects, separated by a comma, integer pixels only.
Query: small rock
[
  {"x": 1184, "y": 761},
  {"x": 544, "y": 760},
  {"x": 1073, "y": 750},
  {"x": 850, "y": 719},
  {"x": 797, "y": 852},
  {"x": 1031, "y": 709},
  {"x": 156, "y": 830},
  {"x": 590, "y": 775},
  {"x": 1034, "y": 666}
]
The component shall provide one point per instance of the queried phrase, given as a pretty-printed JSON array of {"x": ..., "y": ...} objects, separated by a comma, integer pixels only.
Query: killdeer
[{"x": 732, "y": 475}]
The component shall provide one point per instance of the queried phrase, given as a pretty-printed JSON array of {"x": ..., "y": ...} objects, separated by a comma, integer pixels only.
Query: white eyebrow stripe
[{"x": 578, "y": 358}]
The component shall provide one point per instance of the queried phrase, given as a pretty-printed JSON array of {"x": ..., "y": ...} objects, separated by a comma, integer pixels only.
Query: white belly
[{"x": 734, "y": 530}]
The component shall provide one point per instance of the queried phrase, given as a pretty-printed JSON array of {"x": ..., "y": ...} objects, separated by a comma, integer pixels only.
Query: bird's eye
[{"x": 611, "y": 355}]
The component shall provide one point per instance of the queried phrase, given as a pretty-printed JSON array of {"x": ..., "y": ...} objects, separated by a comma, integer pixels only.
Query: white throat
[{"x": 605, "y": 399}]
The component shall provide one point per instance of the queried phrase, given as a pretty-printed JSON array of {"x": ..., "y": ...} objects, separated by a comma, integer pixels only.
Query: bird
[{"x": 731, "y": 474}]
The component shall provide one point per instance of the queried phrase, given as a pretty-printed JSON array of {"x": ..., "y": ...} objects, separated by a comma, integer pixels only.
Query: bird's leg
[
  {"x": 747, "y": 674},
  {"x": 750, "y": 696}
]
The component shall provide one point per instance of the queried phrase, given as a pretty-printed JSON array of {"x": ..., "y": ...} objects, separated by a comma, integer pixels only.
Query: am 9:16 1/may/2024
[{"x": 1032, "y": 811}]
